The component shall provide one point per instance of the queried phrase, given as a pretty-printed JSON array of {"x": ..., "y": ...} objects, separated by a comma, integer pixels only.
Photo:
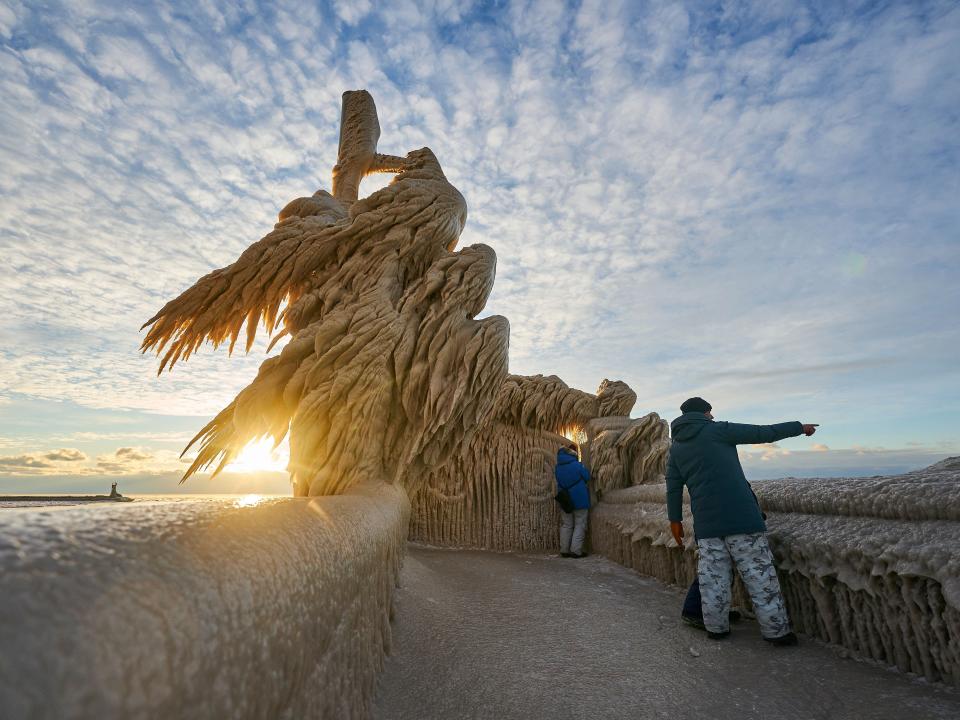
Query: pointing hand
[{"x": 809, "y": 430}]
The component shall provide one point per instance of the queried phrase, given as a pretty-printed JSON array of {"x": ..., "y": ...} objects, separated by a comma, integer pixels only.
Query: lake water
[{"x": 21, "y": 502}]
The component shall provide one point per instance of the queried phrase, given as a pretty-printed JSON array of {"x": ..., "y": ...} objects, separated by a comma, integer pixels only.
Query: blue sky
[{"x": 752, "y": 202}]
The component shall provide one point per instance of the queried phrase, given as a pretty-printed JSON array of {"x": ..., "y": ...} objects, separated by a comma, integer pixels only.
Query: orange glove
[{"x": 676, "y": 529}]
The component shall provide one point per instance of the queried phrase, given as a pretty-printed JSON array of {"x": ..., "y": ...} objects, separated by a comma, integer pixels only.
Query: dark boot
[
  {"x": 783, "y": 640},
  {"x": 693, "y": 621}
]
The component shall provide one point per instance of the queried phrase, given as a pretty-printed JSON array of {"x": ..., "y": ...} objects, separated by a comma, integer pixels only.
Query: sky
[{"x": 754, "y": 202}]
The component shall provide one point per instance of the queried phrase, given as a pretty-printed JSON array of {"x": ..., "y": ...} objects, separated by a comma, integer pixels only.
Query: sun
[{"x": 260, "y": 455}]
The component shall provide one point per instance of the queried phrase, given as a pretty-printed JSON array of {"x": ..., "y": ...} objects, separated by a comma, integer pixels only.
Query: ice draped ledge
[
  {"x": 200, "y": 607},
  {"x": 872, "y": 564}
]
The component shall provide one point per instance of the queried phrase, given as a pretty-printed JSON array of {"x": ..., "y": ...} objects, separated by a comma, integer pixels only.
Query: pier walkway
[{"x": 485, "y": 635}]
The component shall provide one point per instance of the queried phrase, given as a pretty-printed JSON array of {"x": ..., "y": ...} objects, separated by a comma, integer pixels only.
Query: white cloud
[
  {"x": 136, "y": 461},
  {"x": 66, "y": 455},
  {"x": 8, "y": 17},
  {"x": 129, "y": 454},
  {"x": 40, "y": 462},
  {"x": 352, "y": 11},
  {"x": 25, "y": 464},
  {"x": 763, "y": 453}
]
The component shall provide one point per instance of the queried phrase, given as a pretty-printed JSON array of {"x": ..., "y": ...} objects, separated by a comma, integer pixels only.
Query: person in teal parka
[
  {"x": 728, "y": 524},
  {"x": 573, "y": 476}
]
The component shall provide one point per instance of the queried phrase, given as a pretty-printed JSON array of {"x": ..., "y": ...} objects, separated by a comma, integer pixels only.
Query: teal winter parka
[
  {"x": 572, "y": 475},
  {"x": 703, "y": 457}
]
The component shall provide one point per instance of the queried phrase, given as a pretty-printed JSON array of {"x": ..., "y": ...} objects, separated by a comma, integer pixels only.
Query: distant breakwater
[{"x": 29, "y": 500}]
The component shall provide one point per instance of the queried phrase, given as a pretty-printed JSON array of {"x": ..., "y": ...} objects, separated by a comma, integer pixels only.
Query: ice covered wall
[
  {"x": 872, "y": 564},
  {"x": 198, "y": 608},
  {"x": 498, "y": 492}
]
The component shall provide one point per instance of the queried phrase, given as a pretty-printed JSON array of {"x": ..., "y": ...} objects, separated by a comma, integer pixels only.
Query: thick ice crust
[
  {"x": 932, "y": 493},
  {"x": 498, "y": 493},
  {"x": 854, "y": 573},
  {"x": 199, "y": 608}
]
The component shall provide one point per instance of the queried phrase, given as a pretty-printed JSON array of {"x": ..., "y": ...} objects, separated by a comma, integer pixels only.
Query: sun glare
[
  {"x": 251, "y": 500},
  {"x": 261, "y": 456}
]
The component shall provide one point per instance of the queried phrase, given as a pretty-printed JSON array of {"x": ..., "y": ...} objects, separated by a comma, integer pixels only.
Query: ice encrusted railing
[
  {"x": 870, "y": 564},
  {"x": 199, "y": 607}
]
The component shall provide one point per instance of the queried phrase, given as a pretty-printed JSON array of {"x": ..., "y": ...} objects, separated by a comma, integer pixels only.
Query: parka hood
[
  {"x": 688, "y": 426},
  {"x": 564, "y": 456}
]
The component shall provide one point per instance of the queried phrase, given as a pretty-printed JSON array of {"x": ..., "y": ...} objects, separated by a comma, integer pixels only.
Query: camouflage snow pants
[{"x": 754, "y": 560}]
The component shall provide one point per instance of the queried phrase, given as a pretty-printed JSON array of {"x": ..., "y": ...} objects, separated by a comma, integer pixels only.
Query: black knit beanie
[{"x": 696, "y": 404}]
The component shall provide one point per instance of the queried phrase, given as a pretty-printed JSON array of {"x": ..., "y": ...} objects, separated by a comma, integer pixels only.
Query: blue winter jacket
[
  {"x": 572, "y": 475},
  {"x": 703, "y": 457}
]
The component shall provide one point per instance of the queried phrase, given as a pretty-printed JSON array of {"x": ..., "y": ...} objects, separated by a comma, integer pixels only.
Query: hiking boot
[
  {"x": 566, "y": 554},
  {"x": 718, "y": 636},
  {"x": 783, "y": 640},
  {"x": 693, "y": 621},
  {"x": 697, "y": 622},
  {"x": 575, "y": 555}
]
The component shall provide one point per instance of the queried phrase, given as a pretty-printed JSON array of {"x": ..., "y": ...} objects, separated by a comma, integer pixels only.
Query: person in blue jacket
[
  {"x": 727, "y": 521},
  {"x": 573, "y": 476}
]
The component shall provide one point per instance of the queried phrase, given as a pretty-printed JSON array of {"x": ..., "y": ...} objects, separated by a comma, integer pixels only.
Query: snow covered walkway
[{"x": 484, "y": 635}]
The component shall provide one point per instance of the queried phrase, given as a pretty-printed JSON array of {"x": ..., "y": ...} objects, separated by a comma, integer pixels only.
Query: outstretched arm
[{"x": 740, "y": 434}]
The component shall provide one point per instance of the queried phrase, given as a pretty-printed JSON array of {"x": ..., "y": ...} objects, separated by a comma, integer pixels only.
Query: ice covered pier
[
  {"x": 503, "y": 635},
  {"x": 170, "y": 608}
]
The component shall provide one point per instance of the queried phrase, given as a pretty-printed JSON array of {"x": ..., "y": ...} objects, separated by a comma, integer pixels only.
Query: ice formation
[
  {"x": 386, "y": 371},
  {"x": 199, "y": 608},
  {"x": 498, "y": 493},
  {"x": 867, "y": 563},
  {"x": 387, "y": 376}
]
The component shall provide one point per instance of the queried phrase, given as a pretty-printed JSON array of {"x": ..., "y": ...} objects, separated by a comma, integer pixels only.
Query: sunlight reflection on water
[{"x": 251, "y": 500}]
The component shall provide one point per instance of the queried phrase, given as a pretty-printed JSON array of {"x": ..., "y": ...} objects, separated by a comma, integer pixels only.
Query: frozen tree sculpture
[
  {"x": 387, "y": 376},
  {"x": 385, "y": 370}
]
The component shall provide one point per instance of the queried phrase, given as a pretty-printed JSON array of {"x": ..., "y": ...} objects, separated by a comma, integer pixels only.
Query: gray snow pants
[
  {"x": 573, "y": 528},
  {"x": 754, "y": 560}
]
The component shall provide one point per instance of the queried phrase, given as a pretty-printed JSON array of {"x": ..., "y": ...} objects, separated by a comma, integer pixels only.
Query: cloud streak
[
  {"x": 124, "y": 460},
  {"x": 66, "y": 455}
]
